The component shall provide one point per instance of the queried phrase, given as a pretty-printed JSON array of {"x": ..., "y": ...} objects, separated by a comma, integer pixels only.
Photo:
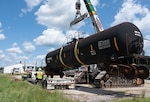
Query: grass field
[{"x": 22, "y": 91}]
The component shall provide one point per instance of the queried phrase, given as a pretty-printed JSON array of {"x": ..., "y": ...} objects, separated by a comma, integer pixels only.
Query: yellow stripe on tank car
[
  {"x": 60, "y": 57},
  {"x": 91, "y": 46},
  {"x": 116, "y": 45},
  {"x": 76, "y": 53}
]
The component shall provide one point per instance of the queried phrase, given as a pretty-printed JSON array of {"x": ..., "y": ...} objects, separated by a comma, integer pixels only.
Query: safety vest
[
  {"x": 24, "y": 74},
  {"x": 39, "y": 75}
]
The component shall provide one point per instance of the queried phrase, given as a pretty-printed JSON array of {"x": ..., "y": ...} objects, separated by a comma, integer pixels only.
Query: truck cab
[{"x": 16, "y": 71}]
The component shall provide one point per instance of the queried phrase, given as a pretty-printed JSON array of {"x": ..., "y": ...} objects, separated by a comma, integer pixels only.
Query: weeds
[{"x": 21, "y": 91}]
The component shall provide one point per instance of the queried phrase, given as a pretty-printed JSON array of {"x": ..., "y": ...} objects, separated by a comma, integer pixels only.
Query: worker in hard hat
[{"x": 39, "y": 75}]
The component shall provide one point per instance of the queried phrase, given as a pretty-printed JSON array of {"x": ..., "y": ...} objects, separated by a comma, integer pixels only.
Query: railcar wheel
[
  {"x": 143, "y": 72},
  {"x": 128, "y": 71}
]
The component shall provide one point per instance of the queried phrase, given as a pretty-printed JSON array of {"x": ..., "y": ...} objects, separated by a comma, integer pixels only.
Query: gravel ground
[{"x": 87, "y": 94}]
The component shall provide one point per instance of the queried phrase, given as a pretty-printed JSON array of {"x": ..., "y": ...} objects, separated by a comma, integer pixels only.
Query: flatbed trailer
[{"x": 58, "y": 83}]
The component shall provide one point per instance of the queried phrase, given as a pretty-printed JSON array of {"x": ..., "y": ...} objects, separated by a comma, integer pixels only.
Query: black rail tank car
[{"x": 107, "y": 46}]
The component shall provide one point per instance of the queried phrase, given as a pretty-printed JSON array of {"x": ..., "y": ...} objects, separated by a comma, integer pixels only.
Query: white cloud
[
  {"x": 2, "y": 55},
  {"x": 95, "y": 2},
  {"x": 40, "y": 60},
  {"x": 28, "y": 46},
  {"x": 21, "y": 58},
  {"x": 8, "y": 60},
  {"x": 58, "y": 14},
  {"x": 30, "y": 5},
  {"x": 2, "y": 36},
  {"x": 18, "y": 58},
  {"x": 50, "y": 50},
  {"x": 14, "y": 44},
  {"x": 14, "y": 49},
  {"x": 50, "y": 37},
  {"x": 40, "y": 57},
  {"x": 134, "y": 12}
]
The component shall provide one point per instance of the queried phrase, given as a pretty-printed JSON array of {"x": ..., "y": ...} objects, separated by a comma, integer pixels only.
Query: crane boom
[{"x": 94, "y": 17}]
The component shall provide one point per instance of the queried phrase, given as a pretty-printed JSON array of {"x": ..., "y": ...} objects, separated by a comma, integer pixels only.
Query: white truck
[
  {"x": 58, "y": 83},
  {"x": 16, "y": 71}
]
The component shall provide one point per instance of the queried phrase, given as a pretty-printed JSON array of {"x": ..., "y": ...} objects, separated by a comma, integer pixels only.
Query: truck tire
[{"x": 44, "y": 84}]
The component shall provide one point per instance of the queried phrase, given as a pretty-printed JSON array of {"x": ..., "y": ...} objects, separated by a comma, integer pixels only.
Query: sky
[{"x": 29, "y": 29}]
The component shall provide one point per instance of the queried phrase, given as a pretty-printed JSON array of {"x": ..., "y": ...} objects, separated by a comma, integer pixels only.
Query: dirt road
[{"x": 87, "y": 94}]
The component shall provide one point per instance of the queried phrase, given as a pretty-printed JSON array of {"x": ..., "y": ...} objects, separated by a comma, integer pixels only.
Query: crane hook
[{"x": 78, "y": 7}]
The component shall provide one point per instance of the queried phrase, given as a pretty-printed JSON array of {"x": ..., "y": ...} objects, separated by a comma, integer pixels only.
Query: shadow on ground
[{"x": 99, "y": 91}]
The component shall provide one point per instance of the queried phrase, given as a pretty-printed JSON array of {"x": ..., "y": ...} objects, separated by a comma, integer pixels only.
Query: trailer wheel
[
  {"x": 67, "y": 87},
  {"x": 44, "y": 84}
]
